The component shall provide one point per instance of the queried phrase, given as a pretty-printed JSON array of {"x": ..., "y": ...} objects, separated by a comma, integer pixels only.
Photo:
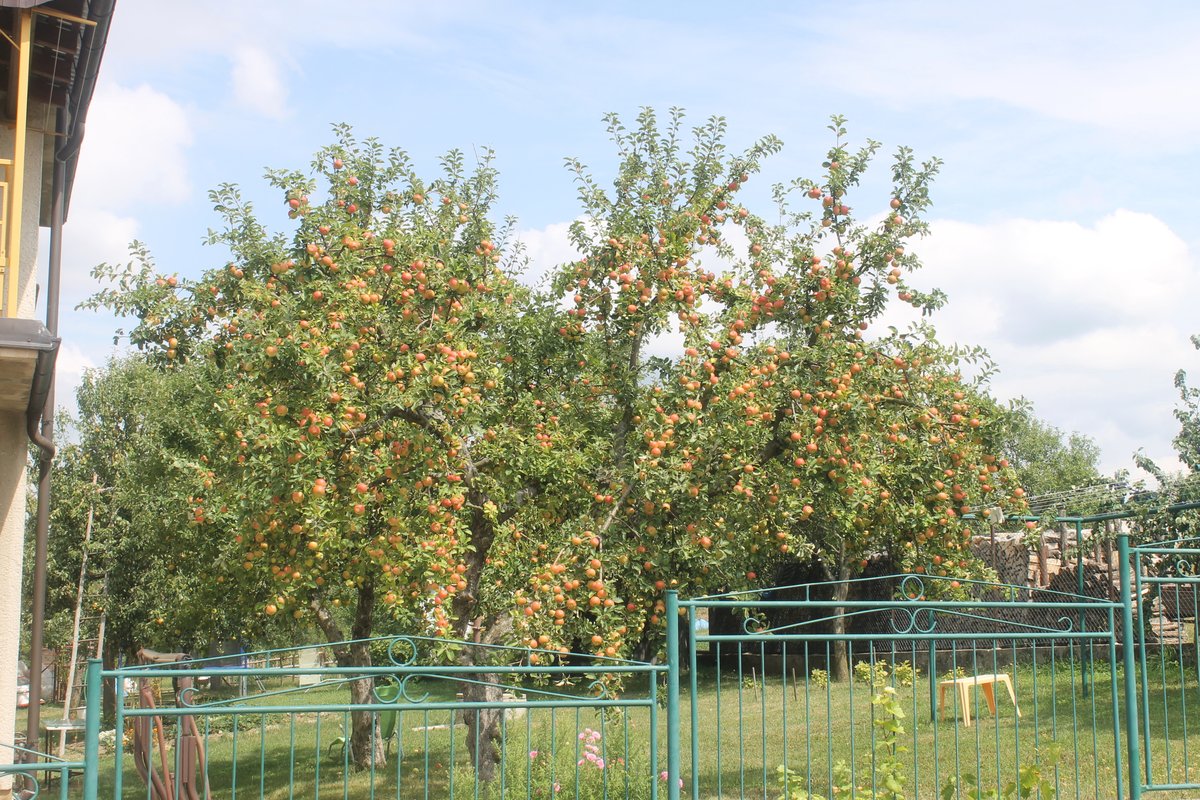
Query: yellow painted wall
[{"x": 14, "y": 449}]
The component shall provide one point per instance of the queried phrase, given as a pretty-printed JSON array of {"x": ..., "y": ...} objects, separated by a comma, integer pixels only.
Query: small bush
[
  {"x": 818, "y": 678},
  {"x": 871, "y": 674},
  {"x": 904, "y": 673}
]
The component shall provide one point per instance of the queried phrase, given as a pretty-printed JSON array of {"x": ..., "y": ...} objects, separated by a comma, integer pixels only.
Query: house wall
[{"x": 14, "y": 452}]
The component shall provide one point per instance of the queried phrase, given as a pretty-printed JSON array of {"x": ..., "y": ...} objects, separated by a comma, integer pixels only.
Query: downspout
[
  {"x": 44, "y": 439},
  {"x": 64, "y": 160}
]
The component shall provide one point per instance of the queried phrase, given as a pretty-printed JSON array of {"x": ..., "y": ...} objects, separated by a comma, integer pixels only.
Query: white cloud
[
  {"x": 1088, "y": 322},
  {"x": 258, "y": 85},
  {"x": 134, "y": 151},
  {"x": 140, "y": 25},
  {"x": 72, "y": 361},
  {"x": 546, "y": 248},
  {"x": 1114, "y": 66},
  {"x": 1041, "y": 281},
  {"x": 134, "y": 156},
  {"x": 69, "y": 368},
  {"x": 256, "y": 38},
  {"x": 94, "y": 236}
]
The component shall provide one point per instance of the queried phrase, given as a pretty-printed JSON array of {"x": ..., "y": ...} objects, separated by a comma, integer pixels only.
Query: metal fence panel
[
  {"x": 577, "y": 727},
  {"x": 930, "y": 688}
]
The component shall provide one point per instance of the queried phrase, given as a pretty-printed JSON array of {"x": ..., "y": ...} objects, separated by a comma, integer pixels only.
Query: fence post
[
  {"x": 1084, "y": 674},
  {"x": 693, "y": 693},
  {"x": 91, "y": 731},
  {"x": 1131, "y": 724},
  {"x": 933, "y": 680},
  {"x": 672, "y": 694}
]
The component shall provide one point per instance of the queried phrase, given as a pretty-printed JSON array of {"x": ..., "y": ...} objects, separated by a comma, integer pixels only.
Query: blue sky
[{"x": 1064, "y": 224}]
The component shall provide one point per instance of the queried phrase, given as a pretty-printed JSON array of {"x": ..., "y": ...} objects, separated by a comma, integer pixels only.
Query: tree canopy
[
  {"x": 127, "y": 471},
  {"x": 1187, "y": 442},
  {"x": 1045, "y": 458},
  {"x": 378, "y": 419}
]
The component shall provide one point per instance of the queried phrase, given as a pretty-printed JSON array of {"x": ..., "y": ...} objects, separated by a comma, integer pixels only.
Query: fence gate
[
  {"x": 1162, "y": 666},
  {"x": 952, "y": 691}
]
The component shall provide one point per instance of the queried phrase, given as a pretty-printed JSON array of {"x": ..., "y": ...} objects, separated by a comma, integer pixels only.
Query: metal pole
[
  {"x": 673, "y": 695},
  {"x": 46, "y": 460},
  {"x": 91, "y": 732},
  {"x": 933, "y": 709},
  {"x": 1131, "y": 722},
  {"x": 1085, "y": 674},
  {"x": 693, "y": 693}
]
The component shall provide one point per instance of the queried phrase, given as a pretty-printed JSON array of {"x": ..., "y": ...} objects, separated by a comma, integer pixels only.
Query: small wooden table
[
  {"x": 962, "y": 688},
  {"x": 59, "y": 726}
]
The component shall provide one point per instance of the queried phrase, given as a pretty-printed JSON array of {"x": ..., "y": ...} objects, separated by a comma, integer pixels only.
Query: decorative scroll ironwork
[
  {"x": 914, "y": 616},
  {"x": 404, "y": 641}
]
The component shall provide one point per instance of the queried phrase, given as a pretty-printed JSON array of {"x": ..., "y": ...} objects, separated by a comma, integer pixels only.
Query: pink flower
[
  {"x": 557, "y": 788},
  {"x": 533, "y": 754}
]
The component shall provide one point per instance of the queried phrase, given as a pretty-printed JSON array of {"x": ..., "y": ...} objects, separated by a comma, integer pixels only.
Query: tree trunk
[
  {"x": 483, "y": 724},
  {"x": 839, "y": 660},
  {"x": 366, "y": 745},
  {"x": 646, "y": 647},
  {"x": 108, "y": 692}
]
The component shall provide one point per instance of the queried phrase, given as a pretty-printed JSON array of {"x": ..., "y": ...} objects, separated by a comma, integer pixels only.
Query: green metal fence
[
  {"x": 950, "y": 690},
  {"x": 955, "y": 688},
  {"x": 1164, "y": 598},
  {"x": 558, "y": 730},
  {"x": 36, "y": 772}
]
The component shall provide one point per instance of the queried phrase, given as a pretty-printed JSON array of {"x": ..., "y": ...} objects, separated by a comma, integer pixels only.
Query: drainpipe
[
  {"x": 44, "y": 439},
  {"x": 64, "y": 161}
]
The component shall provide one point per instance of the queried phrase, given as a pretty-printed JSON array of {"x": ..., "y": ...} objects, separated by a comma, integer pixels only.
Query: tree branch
[{"x": 329, "y": 627}]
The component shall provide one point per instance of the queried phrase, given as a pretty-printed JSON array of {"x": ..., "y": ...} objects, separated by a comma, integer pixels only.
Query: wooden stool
[{"x": 987, "y": 683}]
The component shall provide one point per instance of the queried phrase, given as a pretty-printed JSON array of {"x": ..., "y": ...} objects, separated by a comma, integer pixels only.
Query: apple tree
[
  {"x": 129, "y": 470},
  {"x": 1187, "y": 441},
  {"x": 780, "y": 421},
  {"x": 376, "y": 410},
  {"x": 397, "y": 425}
]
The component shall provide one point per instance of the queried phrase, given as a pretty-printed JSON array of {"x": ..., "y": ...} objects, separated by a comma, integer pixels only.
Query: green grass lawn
[{"x": 748, "y": 727}]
